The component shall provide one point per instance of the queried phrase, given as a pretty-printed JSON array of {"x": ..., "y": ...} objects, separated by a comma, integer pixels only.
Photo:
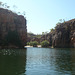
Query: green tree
[
  {"x": 4, "y": 5},
  {"x": 51, "y": 30},
  {"x": 28, "y": 43},
  {"x": 45, "y": 43},
  {"x": 33, "y": 43},
  {"x": 42, "y": 33},
  {"x": 60, "y": 21}
]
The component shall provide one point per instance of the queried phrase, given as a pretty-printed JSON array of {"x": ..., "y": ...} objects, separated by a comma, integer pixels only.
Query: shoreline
[{"x": 32, "y": 46}]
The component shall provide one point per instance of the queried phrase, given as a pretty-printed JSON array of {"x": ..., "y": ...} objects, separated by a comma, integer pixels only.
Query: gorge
[{"x": 13, "y": 32}]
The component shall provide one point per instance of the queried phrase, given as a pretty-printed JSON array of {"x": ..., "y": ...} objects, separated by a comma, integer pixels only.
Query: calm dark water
[{"x": 37, "y": 61}]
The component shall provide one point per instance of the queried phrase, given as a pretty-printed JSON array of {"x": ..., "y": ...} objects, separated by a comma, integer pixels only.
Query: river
[{"x": 37, "y": 61}]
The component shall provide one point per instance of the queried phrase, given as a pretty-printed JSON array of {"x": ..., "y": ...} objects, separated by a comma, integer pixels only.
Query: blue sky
[{"x": 42, "y": 15}]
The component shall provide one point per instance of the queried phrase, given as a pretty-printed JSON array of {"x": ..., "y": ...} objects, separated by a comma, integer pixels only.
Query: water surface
[{"x": 37, "y": 61}]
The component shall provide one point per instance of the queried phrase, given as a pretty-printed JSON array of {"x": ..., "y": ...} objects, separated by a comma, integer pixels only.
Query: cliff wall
[
  {"x": 10, "y": 21},
  {"x": 63, "y": 36}
]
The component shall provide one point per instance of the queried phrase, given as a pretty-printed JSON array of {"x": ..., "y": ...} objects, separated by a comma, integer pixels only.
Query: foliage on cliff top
[{"x": 6, "y": 6}]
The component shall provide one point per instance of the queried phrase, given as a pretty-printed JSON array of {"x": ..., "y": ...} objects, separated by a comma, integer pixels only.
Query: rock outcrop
[
  {"x": 10, "y": 21},
  {"x": 63, "y": 36}
]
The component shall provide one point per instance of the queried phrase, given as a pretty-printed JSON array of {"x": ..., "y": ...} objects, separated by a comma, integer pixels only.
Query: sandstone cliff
[
  {"x": 63, "y": 35},
  {"x": 11, "y": 22}
]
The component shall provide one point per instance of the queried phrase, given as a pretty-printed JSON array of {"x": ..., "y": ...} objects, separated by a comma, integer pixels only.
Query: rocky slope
[{"x": 10, "y": 21}]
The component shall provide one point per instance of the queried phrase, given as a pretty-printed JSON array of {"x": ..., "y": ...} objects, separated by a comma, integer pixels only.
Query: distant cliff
[
  {"x": 63, "y": 36},
  {"x": 13, "y": 26}
]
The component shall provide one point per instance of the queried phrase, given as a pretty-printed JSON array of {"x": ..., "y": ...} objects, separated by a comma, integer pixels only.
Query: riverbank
[{"x": 32, "y": 46}]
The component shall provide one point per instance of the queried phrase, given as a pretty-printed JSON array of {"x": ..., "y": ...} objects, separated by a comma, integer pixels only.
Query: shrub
[
  {"x": 28, "y": 43},
  {"x": 33, "y": 43},
  {"x": 45, "y": 43}
]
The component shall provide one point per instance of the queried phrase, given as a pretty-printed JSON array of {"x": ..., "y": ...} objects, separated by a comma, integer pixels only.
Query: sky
[{"x": 42, "y": 15}]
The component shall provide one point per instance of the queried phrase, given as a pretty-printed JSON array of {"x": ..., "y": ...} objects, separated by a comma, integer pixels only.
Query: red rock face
[
  {"x": 64, "y": 35},
  {"x": 13, "y": 22}
]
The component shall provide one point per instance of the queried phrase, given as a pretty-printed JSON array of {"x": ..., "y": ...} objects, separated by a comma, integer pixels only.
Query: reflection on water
[
  {"x": 37, "y": 61},
  {"x": 12, "y": 62},
  {"x": 65, "y": 61}
]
